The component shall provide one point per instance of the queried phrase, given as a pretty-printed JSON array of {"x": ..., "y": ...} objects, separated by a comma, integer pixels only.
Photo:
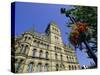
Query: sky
[{"x": 37, "y": 16}]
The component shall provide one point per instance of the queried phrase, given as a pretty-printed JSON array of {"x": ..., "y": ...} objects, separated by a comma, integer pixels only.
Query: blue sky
[{"x": 37, "y": 16}]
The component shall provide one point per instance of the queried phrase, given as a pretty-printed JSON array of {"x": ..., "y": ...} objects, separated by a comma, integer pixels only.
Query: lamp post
[{"x": 82, "y": 36}]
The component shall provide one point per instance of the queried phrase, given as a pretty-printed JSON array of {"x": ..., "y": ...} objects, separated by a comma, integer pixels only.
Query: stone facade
[{"x": 39, "y": 52}]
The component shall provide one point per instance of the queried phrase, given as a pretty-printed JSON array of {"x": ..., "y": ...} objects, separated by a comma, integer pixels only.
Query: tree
[
  {"x": 84, "y": 29},
  {"x": 87, "y": 15}
]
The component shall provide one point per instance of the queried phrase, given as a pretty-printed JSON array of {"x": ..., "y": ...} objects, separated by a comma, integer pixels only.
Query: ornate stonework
[{"x": 36, "y": 52}]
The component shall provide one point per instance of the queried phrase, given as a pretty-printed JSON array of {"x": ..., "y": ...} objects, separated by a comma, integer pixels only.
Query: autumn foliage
[{"x": 77, "y": 29}]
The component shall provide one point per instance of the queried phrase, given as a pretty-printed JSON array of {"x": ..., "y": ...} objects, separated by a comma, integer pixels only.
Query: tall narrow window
[
  {"x": 44, "y": 45},
  {"x": 38, "y": 43},
  {"x": 25, "y": 38},
  {"x": 47, "y": 46},
  {"x": 39, "y": 67},
  {"x": 75, "y": 67},
  {"x": 24, "y": 48},
  {"x": 67, "y": 58},
  {"x": 63, "y": 66},
  {"x": 55, "y": 48},
  {"x": 56, "y": 56},
  {"x": 46, "y": 55},
  {"x": 46, "y": 67},
  {"x": 17, "y": 65},
  {"x": 35, "y": 43},
  {"x": 34, "y": 52},
  {"x": 41, "y": 45},
  {"x": 40, "y": 54},
  {"x": 61, "y": 58},
  {"x": 72, "y": 67},
  {"x": 72, "y": 59},
  {"x": 30, "y": 67},
  {"x": 57, "y": 67},
  {"x": 29, "y": 38},
  {"x": 69, "y": 67}
]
